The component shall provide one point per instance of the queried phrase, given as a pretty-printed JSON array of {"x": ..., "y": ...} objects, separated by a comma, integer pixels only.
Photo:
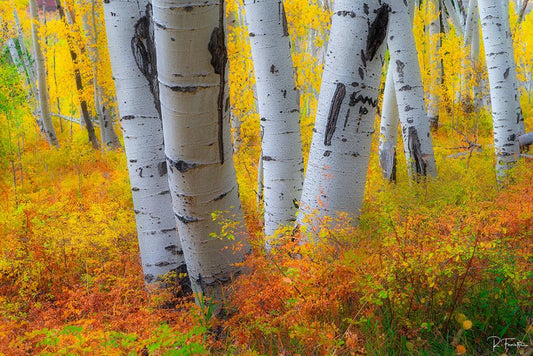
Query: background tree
[
  {"x": 279, "y": 109},
  {"x": 77, "y": 76},
  {"x": 418, "y": 145},
  {"x": 44, "y": 104},
  {"x": 508, "y": 121}
]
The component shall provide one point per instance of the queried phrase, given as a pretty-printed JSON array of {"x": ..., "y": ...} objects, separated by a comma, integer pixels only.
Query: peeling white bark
[
  {"x": 506, "y": 112},
  {"x": 44, "y": 104},
  {"x": 338, "y": 160},
  {"x": 143, "y": 142},
  {"x": 279, "y": 109},
  {"x": 416, "y": 134},
  {"x": 192, "y": 72}
]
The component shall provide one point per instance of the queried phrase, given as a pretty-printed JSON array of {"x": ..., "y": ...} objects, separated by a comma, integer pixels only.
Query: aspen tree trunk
[
  {"x": 24, "y": 53},
  {"x": 506, "y": 112},
  {"x": 13, "y": 52},
  {"x": 279, "y": 108},
  {"x": 476, "y": 60},
  {"x": 109, "y": 137},
  {"x": 192, "y": 72},
  {"x": 435, "y": 66},
  {"x": 340, "y": 148},
  {"x": 454, "y": 16},
  {"x": 46, "y": 118},
  {"x": 160, "y": 248},
  {"x": 471, "y": 37},
  {"x": 416, "y": 134},
  {"x": 77, "y": 76},
  {"x": 471, "y": 21},
  {"x": 388, "y": 136},
  {"x": 522, "y": 12}
]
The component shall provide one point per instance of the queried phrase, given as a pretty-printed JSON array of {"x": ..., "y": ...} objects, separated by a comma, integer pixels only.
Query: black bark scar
[
  {"x": 219, "y": 59},
  {"x": 415, "y": 151},
  {"x": 377, "y": 31},
  {"x": 284, "y": 20},
  {"x": 143, "y": 49},
  {"x": 355, "y": 98},
  {"x": 334, "y": 110}
]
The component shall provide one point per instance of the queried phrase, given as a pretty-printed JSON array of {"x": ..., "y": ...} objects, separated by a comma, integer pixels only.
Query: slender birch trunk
[
  {"x": 523, "y": 10},
  {"x": 24, "y": 53},
  {"x": 46, "y": 119},
  {"x": 192, "y": 73},
  {"x": 15, "y": 57},
  {"x": 418, "y": 146},
  {"x": 506, "y": 112},
  {"x": 160, "y": 248},
  {"x": 338, "y": 160},
  {"x": 471, "y": 37},
  {"x": 476, "y": 62},
  {"x": 279, "y": 108},
  {"x": 453, "y": 14},
  {"x": 388, "y": 135},
  {"x": 77, "y": 76},
  {"x": 109, "y": 137},
  {"x": 435, "y": 66}
]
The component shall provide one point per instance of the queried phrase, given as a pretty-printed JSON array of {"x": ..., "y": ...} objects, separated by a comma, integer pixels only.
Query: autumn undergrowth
[{"x": 433, "y": 268}]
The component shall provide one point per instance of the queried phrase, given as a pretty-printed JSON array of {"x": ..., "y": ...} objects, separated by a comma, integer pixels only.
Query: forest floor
[{"x": 441, "y": 267}]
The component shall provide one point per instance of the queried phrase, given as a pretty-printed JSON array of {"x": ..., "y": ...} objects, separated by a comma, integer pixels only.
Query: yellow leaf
[
  {"x": 460, "y": 318},
  {"x": 467, "y": 324}
]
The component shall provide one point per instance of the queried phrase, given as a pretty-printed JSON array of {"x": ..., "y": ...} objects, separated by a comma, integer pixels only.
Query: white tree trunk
[
  {"x": 475, "y": 58},
  {"x": 471, "y": 37},
  {"x": 506, "y": 112},
  {"x": 24, "y": 53},
  {"x": 46, "y": 118},
  {"x": 108, "y": 135},
  {"x": 435, "y": 66},
  {"x": 418, "y": 146},
  {"x": 279, "y": 108},
  {"x": 454, "y": 16},
  {"x": 388, "y": 136},
  {"x": 338, "y": 160},
  {"x": 17, "y": 61},
  {"x": 159, "y": 245},
  {"x": 471, "y": 21},
  {"x": 192, "y": 72}
]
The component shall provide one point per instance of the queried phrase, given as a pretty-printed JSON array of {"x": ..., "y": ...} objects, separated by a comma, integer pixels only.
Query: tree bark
[
  {"x": 522, "y": 12},
  {"x": 526, "y": 140},
  {"x": 159, "y": 244},
  {"x": 388, "y": 136},
  {"x": 24, "y": 54},
  {"x": 416, "y": 134},
  {"x": 506, "y": 111},
  {"x": 108, "y": 135},
  {"x": 435, "y": 66},
  {"x": 192, "y": 73},
  {"x": 279, "y": 109},
  {"x": 340, "y": 148},
  {"x": 44, "y": 104}
]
